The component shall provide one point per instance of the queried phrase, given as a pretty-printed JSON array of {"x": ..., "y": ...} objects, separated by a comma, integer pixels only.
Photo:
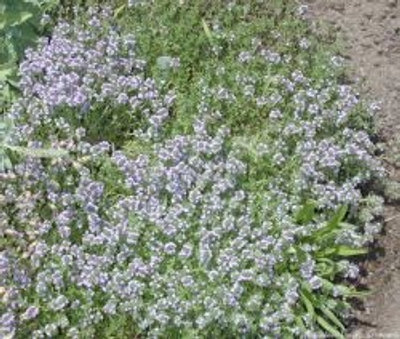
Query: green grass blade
[
  {"x": 119, "y": 10},
  {"x": 342, "y": 251},
  {"x": 39, "y": 153},
  {"x": 329, "y": 328},
  {"x": 332, "y": 317},
  {"x": 206, "y": 29},
  {"x": 300, "y": 323},
  {"x": 334, "y": 223},
  {"x": 308, "y": 304},
  {"x": 346, "y": 251},
  {"x": 307, "y": 213}
]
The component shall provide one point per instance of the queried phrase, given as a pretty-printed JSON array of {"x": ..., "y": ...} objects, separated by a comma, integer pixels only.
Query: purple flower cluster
[
  {"x": 185, "y": 232},
  {"x": 310, "y": 123},
  {"x": 90, "y": 68},
  {"x": 198, "y": 230}
]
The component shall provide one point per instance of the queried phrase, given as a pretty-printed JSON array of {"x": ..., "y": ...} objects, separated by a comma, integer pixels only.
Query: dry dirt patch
[{"x": 371, "y": 32}]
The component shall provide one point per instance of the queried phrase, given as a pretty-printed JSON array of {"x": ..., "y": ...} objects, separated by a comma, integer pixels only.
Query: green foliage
[
  {"x": 19, "y": 29},
  {"x": 5, "y": 133},
  {"x": 186, "y": 30},
  {"x": 323, "y": 309},
  {"x": 5, "y": 148}
]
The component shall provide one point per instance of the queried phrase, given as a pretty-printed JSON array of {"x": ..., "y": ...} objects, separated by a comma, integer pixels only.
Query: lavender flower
[
  {"x": 31, "y": 313},
  {"x": 192, "y": 231}
]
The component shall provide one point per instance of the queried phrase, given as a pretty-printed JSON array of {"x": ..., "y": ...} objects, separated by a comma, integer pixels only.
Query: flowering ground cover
[{"x": 184, "y": 170}]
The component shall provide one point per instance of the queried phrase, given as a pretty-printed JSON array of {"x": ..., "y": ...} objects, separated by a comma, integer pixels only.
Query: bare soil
[{"x": 370, "y": 30}]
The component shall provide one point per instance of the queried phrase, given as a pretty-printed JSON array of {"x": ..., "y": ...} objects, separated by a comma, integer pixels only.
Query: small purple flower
[
  {"x": 170, "y": 248},
  {"x": 315, "y": 282},
  {"x": 31, "y": 313},
  {"x": 186, "y": 251},
  {"x": 8, "y": 320},
  {"x": 59, "y": 303}
]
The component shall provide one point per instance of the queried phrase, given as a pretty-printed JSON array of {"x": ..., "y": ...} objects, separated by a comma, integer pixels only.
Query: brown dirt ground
[{"x": 370, "y": 30}]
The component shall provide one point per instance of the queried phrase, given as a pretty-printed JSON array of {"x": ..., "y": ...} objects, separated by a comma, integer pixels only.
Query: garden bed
[{"x": 185, "y": 170}]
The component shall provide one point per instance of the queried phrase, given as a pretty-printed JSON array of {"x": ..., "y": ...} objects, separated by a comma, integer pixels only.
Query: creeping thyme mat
[{"x": 210, "y": 183}]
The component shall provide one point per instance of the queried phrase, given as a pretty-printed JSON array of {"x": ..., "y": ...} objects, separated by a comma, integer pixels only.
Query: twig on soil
[{"x": 392, "y": 218}]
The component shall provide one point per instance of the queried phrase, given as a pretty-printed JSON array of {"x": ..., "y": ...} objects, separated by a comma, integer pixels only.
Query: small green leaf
[
  {"x": 351, "y": 292},
  {"x": 327, "y": 261},
  {"x": 342, "y": 251},
  {"x": 33, "y": 2},
  {"x": 13, "y": 85},
  {"x": 328, "y": 237},
  {"x": 3, "y": 23},
  {"x": 332, "y": 317},
  {"x": 326, "y": 268},
  {"x": 307, "y": 213},
  {"x": 308, "y": 304},
  {"x": 206, "y": 29},
  {"x": 360, "y": 294},
  {"x": 339, "y": 216},
  {"x": 14, "y": 18},
  {"x": 5, "y": 131},
  {"x": 7, "y": 163},
  {"x": 325, "y": 253},
  {"x": 2, "y": 164},
  {"x": 119, "y": 10},
  {"x": 333, "y": 224},
  {"x": 300, "y": 323},
  {"x": 346, "y": 251},
  {"x": 7, "y": 70},
  {"x": 39, "y": 153},
  {"x": 3, "y": 128},
  {"x": 327, "y": 285},
  {"x": 24, "y": 16},
  {"x": 329, "y": 328}
]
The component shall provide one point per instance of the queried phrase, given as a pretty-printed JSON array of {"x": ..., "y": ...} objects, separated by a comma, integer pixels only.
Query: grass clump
[{"x": 214, "y": 166}]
